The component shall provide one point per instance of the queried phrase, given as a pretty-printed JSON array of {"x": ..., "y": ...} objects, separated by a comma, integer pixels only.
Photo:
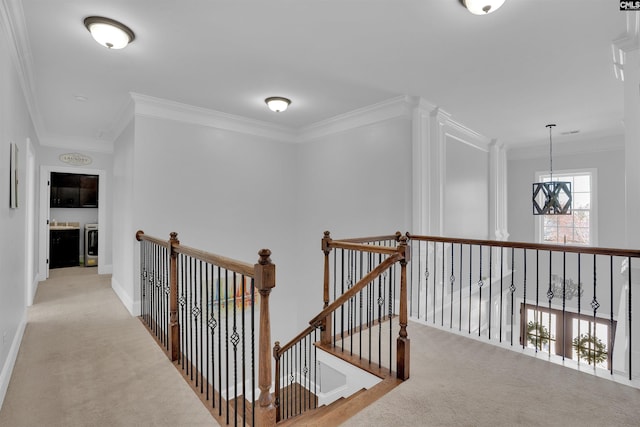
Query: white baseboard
[
  {"x": 34, "y": 290},
  {"x": 7, "y": 369},
  {"x": 125, "y": 298},
  {"x": 105, "y": 269}
]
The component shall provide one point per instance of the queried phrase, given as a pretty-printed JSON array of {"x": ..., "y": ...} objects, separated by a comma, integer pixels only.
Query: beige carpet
[
  {"x": 84, "y": 361},
  {"x": 458, "y": 381}
]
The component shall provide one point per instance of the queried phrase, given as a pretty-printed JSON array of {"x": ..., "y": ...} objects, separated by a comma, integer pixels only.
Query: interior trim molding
[
  {"x": 148, "y": 106},
  {"x": 133, "y": 307},
  {"x": 10, "y": 362},
  {"x": 400, "y": 106},
  {"x": 12, "y": 19}
]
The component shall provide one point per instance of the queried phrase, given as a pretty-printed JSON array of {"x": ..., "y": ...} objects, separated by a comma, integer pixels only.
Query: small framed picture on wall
[{"x": 13, "y": 176}]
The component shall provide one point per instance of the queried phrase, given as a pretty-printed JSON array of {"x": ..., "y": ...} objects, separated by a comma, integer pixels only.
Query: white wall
[
  {"x": 16, "y": 127},
  {"x": 354, "y": 183},
  {"x": 123, "y": 227},
  {"x": 466, "y": 190},
  {"x": 606, "y": 155}
]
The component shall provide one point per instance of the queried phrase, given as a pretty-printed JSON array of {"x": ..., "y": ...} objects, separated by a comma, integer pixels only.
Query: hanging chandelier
[{"x": 551, "y": 197}]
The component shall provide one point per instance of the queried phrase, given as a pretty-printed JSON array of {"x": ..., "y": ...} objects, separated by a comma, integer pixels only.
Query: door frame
[{"x": 45, "y": 198}]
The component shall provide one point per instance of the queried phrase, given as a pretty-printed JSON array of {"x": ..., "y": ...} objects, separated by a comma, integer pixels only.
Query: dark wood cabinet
[
  {"x": 64, "y": 248},
  {"x": 70, "y": 190}
]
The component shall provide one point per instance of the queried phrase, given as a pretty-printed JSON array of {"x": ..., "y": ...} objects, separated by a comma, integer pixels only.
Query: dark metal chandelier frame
[{"x": 551, "y": 197}]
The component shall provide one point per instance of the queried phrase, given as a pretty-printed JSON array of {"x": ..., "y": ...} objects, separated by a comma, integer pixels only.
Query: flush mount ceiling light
[
  {"x": 482, "y": 7},
  {"x": 277, "y": 103},
  {"x": 109, "y": 33},
  {"x": 551, "y": 197}
]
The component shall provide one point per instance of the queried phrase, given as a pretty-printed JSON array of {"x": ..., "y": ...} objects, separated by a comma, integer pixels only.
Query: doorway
[{"x": 45, "y": 214}]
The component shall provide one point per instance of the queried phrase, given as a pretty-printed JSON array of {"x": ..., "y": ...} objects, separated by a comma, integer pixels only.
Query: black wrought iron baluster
[
  {"x": 452, "y": 280},
  {"x": 342, "y": 306},
  {"x": 611, "y": 328},
  {"x": 226, "y": 336},
  {"x": 220, "y": 362},
  {"x": 579, "y": 297},
  {"x": 629, "y": 316},
  {"x": 191, "y": 295},
  {"x": 370, "y": 312},
  {"x": 253, "y": 353},
  {"x": 501, "y": 290},
  {"x": 390, "y": 305},
  {"x": 470, "y": 280},
  {"x": 182, "y": 303},
  {"x": 435, "y": 278},
  {"x": 315, "y": 369},
  {"x": 524, "y": 286},
  {"x": 361, "y": 305},
  {"x": 550, "y": 298},
  {"x": 243, "y": 285},
  {"x": 420, "y": 275},
  {"x": 512, "y": 288},
  {"x": 490, "y": 306},
  {"x": 335, "y": 290},
  {"x": 460, "y": 293},
  {"x": 296, "y": 389},
  {"x": 352, "y": 275},
  {"x": 381, "y": 280},
  {"x": 235, "y": 340},
  {"x": 442, "y": 288},
  {"x": 206, "y": 315},
  {"x": 412, "y": 246},
  {"x": 143, "y": 269},
  {"x": 480, "y": 285},
  {"x": 200, "y": 321},
  {"x": 536, "y": 320},
  {"x": 564, "y": 304},
  {"x": 594, "y": 305},
  {"x": 152, "y": 289}
]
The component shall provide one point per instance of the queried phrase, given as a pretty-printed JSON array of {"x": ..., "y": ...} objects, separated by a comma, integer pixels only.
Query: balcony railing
[{"x": 570, "y": 303}]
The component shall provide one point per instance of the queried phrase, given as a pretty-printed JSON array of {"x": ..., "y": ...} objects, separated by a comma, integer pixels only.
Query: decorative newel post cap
[
  {"x": 403, "y": 240},
  {"x": 327, "y": 234},
  {"x": 264, "y": 256},
  {"x": 139, "y": 235},
  {"x": 173, "y": 237}
]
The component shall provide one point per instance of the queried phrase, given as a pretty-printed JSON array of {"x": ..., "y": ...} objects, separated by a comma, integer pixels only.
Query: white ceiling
[{"x": 504, "y": 75}]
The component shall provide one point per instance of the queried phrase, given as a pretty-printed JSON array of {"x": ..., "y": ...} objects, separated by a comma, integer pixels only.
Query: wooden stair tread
[{"x": 343, "y": 408}]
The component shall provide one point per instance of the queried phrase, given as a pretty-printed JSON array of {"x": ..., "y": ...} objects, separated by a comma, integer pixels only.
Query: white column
[
  {"x": 626, "y": 51},
  {"x": 497, "y": 191}
]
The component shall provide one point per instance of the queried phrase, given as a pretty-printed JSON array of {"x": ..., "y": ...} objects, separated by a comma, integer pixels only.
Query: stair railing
[
  {"x": 572, "y": 304},
  {"x": 363, "y": 298},
  {"x": 201, "y": 308}
]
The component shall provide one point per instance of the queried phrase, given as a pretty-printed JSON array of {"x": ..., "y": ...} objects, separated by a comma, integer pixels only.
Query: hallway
[{"x": 84, "y": 361}]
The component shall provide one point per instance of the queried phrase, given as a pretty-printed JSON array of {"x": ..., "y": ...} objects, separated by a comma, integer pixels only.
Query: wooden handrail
[
  {"x": 217, "y": 260},
  {"x": 208, "y": 257},
  {"x": 341, "y": 244},
  {"x": 534, "y": 246},
  {"x": 373, "y": 238},
  {"x": 281, "y": 350},
  {"x": 140, "y": 236},
  {"x": 361, "y": 284}
]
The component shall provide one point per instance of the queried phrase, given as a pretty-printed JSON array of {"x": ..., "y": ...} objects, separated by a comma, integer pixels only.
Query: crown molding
[
  {"x": 148, "y": 106},
  {"x": 12, "y": 19},
  {"x": 400, "y": 106}
]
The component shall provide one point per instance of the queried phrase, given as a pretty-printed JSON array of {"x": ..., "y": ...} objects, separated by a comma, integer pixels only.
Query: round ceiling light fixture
[
  {"x": 482, "y": 7},
  {"x": 109, "y": 33},
  {"x": 277, "y": 103}
]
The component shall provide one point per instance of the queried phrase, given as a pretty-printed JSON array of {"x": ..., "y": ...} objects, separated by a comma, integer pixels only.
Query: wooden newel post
[
  {"x": 326, "y": 332},
  {"x": 174, "y": 328},
  {"x": 265, "y": 280},
  {"x": 403, "y": 347}
]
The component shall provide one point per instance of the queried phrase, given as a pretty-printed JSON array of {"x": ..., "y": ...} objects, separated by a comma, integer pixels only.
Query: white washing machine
[{"x": 90, "y": 245}]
